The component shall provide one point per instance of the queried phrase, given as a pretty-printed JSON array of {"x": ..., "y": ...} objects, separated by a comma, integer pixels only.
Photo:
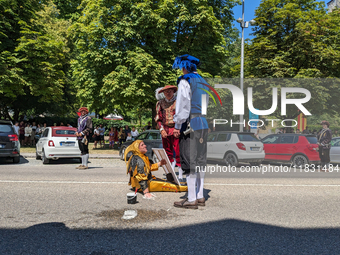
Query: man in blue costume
[{"x": 192, "y": 129}]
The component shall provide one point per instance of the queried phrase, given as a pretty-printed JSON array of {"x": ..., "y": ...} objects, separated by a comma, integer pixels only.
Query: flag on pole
[{"x": 302, "y": 122}]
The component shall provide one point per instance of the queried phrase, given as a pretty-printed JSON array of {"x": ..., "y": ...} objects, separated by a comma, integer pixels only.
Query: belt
[{"x": 194, "y": 115}]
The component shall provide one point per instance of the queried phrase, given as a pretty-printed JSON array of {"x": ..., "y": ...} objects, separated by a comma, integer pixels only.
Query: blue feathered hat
[{"x": 190, "y": 63}]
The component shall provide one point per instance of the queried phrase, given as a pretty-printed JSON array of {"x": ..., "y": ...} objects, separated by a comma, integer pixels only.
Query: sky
[{"x": 249, "y": 14}]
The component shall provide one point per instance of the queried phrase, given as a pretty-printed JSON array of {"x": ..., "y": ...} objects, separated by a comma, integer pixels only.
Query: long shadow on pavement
[
  {"x": 6, "y": 161},
  {"x": 218, "y": 237}
]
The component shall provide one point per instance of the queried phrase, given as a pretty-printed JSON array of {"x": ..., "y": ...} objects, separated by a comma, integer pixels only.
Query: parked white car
[
  {"x": 57, "y": 142},
  {"x": 235, "y": 147},
  {"x": 335, "y": 151}
]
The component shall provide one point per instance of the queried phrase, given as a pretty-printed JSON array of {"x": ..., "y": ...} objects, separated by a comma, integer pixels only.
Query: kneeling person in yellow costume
[{"x": 139, "y": 168}]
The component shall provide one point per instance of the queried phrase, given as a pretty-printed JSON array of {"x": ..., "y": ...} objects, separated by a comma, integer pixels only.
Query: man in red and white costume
[{"x": 165, "y": 110}]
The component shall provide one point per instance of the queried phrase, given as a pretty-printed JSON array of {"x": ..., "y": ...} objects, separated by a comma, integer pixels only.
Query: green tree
[
  {"x": 42, "y": 60},
  {"x": 68, "y": 9},
  {"x": 126, "y": 48},
  {"x": 13, "y": 13},
  {"x": 295, "y": 39}
]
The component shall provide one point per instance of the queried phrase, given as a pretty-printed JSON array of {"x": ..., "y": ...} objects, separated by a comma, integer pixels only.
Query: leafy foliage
[
  {"x": 126, "y": 48},
  {"x": 35, "y": 56},
  {"x": 296, "y": 39}
]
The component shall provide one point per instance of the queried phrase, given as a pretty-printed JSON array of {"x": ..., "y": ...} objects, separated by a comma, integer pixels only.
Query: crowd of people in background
[
  {"x": 29, "y": 132},
  {"x": 116, "y": 136}
]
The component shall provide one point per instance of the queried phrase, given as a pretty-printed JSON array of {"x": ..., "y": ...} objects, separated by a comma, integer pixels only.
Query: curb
[
  {"x": 96, "y": 156},
  {"x": 105, "y": 157}
]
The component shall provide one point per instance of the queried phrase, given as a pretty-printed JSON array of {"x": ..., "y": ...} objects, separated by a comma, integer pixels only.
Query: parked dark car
[
  {"x": 151, "y": 138},
  {"x": 9, "y": 141},
  {"x": 298, "y": 149}
]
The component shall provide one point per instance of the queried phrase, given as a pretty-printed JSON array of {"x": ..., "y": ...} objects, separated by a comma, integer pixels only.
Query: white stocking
[
  {"x": 83, "y": 160},
  {"x": 86, "y": 159},
  {"x": 180, "y": 173},
  {"x": 200, "y": 184},
  {"x": 191, "y": 182}
]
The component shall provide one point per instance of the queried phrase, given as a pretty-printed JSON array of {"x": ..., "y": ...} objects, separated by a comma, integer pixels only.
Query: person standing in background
[
  {"x": 96, "y": 137},
  {"x": 34, "y": 128},
  {"x": 22, "y": 133},
  {"x": 134, "y": 133},
  {"x": 127, "y": 130},
  {"x": 38, "y": 130},
  {"x": 121, "y": 136},
  {"x": 101, "y": 135},
  {"x": 324, "y": 137},
  {"x": 16, "y": 127},
  {"x": 41, "y": 131},
  {"x": 306, "y": 131},
  {"x": 111, "y": 138},
  {"x": 83, "y": 133},
  {"x": 28, "y": 132}
]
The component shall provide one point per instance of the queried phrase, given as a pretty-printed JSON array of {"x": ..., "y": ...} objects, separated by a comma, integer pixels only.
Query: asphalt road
[{"x": 57, "y": 209}]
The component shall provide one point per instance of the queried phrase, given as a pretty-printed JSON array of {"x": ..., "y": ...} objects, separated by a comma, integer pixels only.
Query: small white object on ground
[
  {"x": 129, "y": 214},
  {"x": 152, "y": 198}
]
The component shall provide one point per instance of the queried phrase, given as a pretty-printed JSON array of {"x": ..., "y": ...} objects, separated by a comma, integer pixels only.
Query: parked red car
[{"x": 298, "y": 149}]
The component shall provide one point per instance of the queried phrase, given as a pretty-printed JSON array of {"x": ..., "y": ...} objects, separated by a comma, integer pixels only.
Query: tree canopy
[
  {"x": 111, "y": 55},
  {"x": 35, "y": 59},
  {"x": 126, "y": 48},
  {"x": 295, "y": 39}
]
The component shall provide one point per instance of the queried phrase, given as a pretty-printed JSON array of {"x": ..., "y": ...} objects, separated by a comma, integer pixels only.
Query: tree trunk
[
  {"x": 153, "y": 108},
  {"x": 16, "y": 114}
]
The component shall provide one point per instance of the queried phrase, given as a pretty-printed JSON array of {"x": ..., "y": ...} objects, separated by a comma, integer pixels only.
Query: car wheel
[
  {"x": 299, "y": 160},
  {"x": 44, "y": 159},
  {"x": 37, "y": 156},
  {"x": 16, "y": 160},
  {"x": 155, "y": 159},
  {"x": 122, "y": 153},
  {"x": 231, "y": 159}
]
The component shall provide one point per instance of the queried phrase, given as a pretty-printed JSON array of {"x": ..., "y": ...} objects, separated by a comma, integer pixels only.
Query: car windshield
[
  {"x": 312, "y": 139},
  {"x": 247, "y": 137},
  {"x": 5, "y": 128},
  {"x": 154, "y": 136}
]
